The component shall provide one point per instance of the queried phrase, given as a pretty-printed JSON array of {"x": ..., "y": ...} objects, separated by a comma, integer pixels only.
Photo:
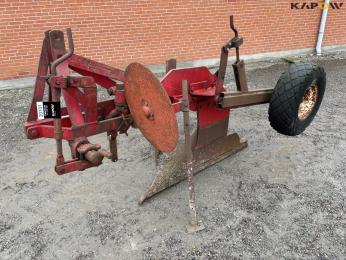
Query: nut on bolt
[{"x": 32, "y": 133}]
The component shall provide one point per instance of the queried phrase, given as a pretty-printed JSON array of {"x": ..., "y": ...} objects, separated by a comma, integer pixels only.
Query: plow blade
[{"x": 174, "y": 171}]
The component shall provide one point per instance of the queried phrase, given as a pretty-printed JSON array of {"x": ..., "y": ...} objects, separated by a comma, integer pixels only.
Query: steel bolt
[{"x": 33, "y": 133}]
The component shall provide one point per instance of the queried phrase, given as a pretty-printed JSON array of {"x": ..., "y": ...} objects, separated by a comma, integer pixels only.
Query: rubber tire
[{"x": 288, "y": 94}]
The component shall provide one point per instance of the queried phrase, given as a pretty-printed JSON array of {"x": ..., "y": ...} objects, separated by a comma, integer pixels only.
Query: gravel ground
[{"x": 283, "y": 197}]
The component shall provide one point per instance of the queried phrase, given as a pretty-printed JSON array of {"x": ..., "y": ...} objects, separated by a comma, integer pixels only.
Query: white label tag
[{"x": 40, "y": 113}]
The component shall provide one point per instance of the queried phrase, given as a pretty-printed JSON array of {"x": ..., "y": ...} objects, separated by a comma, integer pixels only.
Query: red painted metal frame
[
  {"x": 201, "y": 87},
  {"x": 77, "y": 122},
  {"x": 73, "y": 117},
  {"x": 83, "y": 116}
]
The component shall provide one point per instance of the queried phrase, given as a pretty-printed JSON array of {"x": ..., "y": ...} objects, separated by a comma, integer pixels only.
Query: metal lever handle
[
  {"x": 67, "y": 55},
  {"x": 231, "y": 22}
]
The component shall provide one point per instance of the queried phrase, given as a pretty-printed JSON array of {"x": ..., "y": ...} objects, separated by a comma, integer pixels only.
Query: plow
[{"x": 65, "y": 107}]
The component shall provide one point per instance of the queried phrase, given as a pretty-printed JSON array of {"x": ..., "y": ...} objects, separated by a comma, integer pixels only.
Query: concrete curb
[
  {"x": 160, "y": 68},
  {"x": 252, "y": 57},
  {"x": 17, "y": 83}
]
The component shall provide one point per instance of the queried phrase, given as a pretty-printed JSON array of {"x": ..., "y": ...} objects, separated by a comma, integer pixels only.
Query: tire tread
[{"x": 285, "y": 100}]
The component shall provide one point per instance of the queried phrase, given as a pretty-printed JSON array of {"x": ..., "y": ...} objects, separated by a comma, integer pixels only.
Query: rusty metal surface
[
  {"x": 56, "y": 39},
  {"x": 189, "y": 156},
  {"x": 308, "y": 102},
  {"x": 113, "y": 147},
  {"x": 171, "y": 64},
  {"x": 150, "y": 107},
  {"x": 242, "y": 99},
  {"x": 195, "y": 224},
  {"x": 174, "y": 171},
  {"x": 221, "y": 71},
  {"x": 239, "y": 69},
  {"x": 239, "y": 65},
  {"x": 95, "y": 157},
  {"x": 240, "y": 76}
]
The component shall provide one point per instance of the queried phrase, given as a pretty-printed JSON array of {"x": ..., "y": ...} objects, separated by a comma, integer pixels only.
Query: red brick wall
[{"x": 117, "y": 32}]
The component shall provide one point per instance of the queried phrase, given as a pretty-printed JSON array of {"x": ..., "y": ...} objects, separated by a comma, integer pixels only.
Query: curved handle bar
[
  {"x": 67, "y": 55},
  {"x": 231, "y": 22}
]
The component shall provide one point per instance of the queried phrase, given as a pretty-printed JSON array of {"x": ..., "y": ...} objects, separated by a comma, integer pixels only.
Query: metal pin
[
  {"x": 195, "y": 224},
  {"x": 113, "y": 146}
]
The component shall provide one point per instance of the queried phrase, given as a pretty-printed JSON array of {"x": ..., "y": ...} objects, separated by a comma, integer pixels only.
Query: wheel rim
[{"x": 308, "y": 102}]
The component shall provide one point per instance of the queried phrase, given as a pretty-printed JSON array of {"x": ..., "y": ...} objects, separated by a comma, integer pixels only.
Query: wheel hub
[{"x": 308, "y": 102}]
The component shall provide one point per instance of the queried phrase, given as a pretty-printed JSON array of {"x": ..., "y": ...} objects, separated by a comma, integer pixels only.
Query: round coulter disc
[{"x": 150, "y": 107}]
